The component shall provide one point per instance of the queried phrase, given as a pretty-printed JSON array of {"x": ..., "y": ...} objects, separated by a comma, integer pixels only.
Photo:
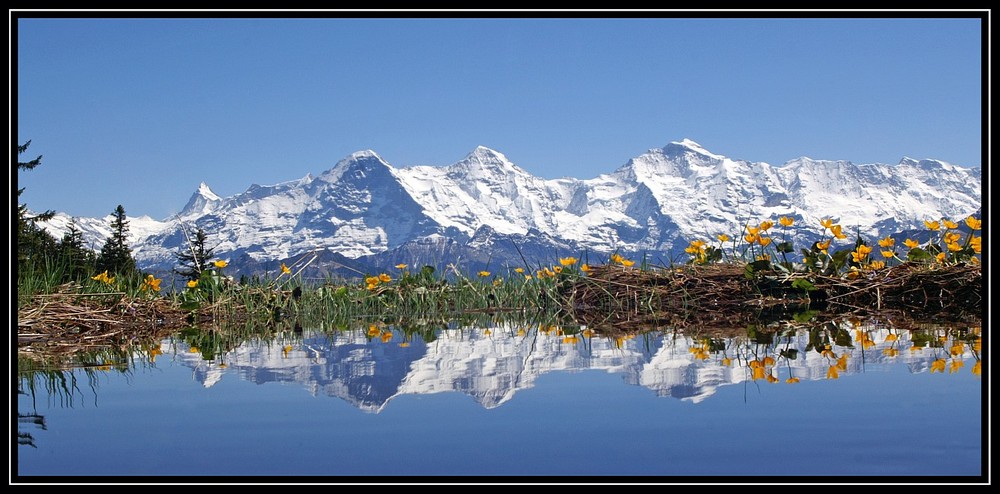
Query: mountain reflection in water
[{"x": 370, "y": 368}]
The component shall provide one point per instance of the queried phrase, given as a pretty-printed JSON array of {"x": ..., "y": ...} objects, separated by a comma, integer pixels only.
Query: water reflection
[{"x": 370, "y": 366}]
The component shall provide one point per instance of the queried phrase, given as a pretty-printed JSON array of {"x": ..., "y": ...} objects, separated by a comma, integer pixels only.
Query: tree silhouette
[
  {"x": 194, "y": 257},
  {"x": 116, "y": 256}
]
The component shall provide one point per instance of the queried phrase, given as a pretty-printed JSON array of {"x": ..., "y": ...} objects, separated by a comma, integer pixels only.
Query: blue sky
[{"x": 139, "y": 111}]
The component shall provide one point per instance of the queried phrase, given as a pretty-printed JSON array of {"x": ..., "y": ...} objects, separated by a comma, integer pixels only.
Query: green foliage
[
  {"x": 194, "y": 259},
  {"x": 116, "y": 255},
  {"x": 34, "y": 244}
]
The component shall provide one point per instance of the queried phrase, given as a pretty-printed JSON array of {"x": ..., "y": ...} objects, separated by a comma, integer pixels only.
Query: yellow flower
[
  {"x": 940, "y": 258},
  {"x": 384, "y": 278},
  {"x": 953, "y": 247},
  {"x": 952, "y": 237},
  {"x": 891, "y": 352},
  {"x": 220, "y": 264},
  {"x": 519, "y": 270},
  {"x": 585, "y": 268},
  {"x": 285, "y": 269},
  {"x": 932, "y": 225},
  {"x": 977, "y": 368},
  {"x": 722, "y": 237},
  {"x": 758, "y": 373},
  {"x": 567, "y": 261},
  {"x": 826, "y": 222},
  {"x": 768, "y": 361},
  {"x": 527, "y": 276},
  {"x": 401, "y": 266},
  {"x": 766, "y": 225},
  {"x": 823, "y": 246},
  {"x": 753, "y": 230},
  {"x": 836, "y": 231},
  {"x": 386, "y": 336},
  {"x": 193, "y": 284},
  {"x": 955, "y": 366},
  {"x": 973, "y": 223},
  {"x": 571, "y": 339},
  {"x": 937, "y": 365},
  {"x": 727, "y": 361},
  {"x": 910, "y": 243},
  {"x": 792, "y": 380},
  {"x": 951, "y": 225},
  {"x": 977, "y": 244},
  {"x": 887, "y": 242},
  {"x": 557, "y": 269},
  {"x": 617, "y": 258},
  {"x": 193, "y": 349},
  {"x": 483, "y": 274},
  {"x": 103, "y": 277},
  {"x": 764, "y": 257},
  {"x": 404, "y": 344},
  {"x": 888, "y": 253},
  {"x": 786, "y": 221},
  {"x": 750, "y": 238},
  {"x": 832, "y": 372},
  {"x": 957, "y": 348},
  {"x": 891, "y": 337},
  {"x": 373, "y": 330},
  {"x": 521, "y": 332},
  {"x": 627, "y": 263},
  {"x": 764, "y": 241},
  {"x": 151, "y": 283}
]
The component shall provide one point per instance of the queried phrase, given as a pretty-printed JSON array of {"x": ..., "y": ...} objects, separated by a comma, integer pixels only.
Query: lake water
[{"x": 838, "y": 402}]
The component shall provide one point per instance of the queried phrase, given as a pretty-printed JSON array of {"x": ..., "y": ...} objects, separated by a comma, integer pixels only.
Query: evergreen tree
[
  {"x": 33, "y": 242},
  {"x": 78, "y": 258},
  {"x": 194, "y": 257},
  {"x": 116, "y": 256}
]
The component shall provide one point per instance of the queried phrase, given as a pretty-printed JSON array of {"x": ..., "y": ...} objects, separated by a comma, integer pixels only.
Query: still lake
[{"x": 377, "y": 403}]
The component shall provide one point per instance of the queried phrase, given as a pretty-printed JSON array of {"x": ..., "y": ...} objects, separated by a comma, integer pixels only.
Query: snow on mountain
[{"x": 363, "y": 208}]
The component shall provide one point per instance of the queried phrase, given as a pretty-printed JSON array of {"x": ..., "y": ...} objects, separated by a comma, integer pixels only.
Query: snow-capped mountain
[{"x": 486, "y": 210}]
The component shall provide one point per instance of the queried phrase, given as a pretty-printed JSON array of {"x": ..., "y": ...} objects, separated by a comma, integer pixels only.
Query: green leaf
[
  {"x": 190, "y": 305},
  {"x": 803, "y": 284},
  {"x": 918, "y": 254},
  {"x": 785, "y": 247}
]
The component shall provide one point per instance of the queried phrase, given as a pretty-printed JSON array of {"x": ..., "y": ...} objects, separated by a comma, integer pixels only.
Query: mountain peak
[
  {"x": 689, "y": 145},
  {"x": 201, "y": 202},
  {"x": 205, "y": 191},
  {"x": 483, "y": 153}
]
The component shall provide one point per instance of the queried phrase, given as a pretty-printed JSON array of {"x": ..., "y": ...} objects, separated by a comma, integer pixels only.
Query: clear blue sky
[{"x": 139, "y": 111}]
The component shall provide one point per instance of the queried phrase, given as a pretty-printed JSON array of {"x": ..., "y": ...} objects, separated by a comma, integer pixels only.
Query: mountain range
[{"x": 363, "y": 215}]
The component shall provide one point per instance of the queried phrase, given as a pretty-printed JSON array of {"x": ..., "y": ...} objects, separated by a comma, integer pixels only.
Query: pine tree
[
  {"x": 194, "y": 258},
  {"x": 33, "y": 242},
  {"x": 78, "y": 258},
  {"x": 116, "y": 256}
]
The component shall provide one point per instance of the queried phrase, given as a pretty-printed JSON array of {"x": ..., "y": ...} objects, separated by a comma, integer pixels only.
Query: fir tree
[
  {"x": 33, "y": 242},
  {"x": 116, "y": 256},
  {"x": 78, "y": 258},
  {"x": 194, "y": 258}
]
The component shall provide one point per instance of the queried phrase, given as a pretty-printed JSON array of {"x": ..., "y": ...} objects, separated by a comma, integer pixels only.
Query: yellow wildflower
[
  {"x": 940, "y": 258},
  {"x": 585, "y": 268},
  {"x": 764, "y": 257},
  {"x": 570, "y": 339},
  {"x": 521, "y": 332},
  {"x": 404, "y": 344},
  {"x": 952, "y": 237},
  {"x": 384, "y": 278},
  {"x": 567, "y": 261},
  {"x": 832, "y": 372},
  {"x": 764, "y": 241},
  {"x": 768, "y": 361},
  {"x": 823, "y": 246},
  {"x": 193, "y": 349},
  {"x": 891, "y": 337},
  {"x": 220, "y": 264},
  {"x": 727, "y": 361},
  {"x": 151, "y": 283},
  {"x": 627, "y": 263},
  {"x": 888, "y": 254},
  {"x": 826, "y": 222},
  {"x": 836, "y": 231},
  {"x": 953, "y": 247},
  {"x": 401, "y": 266},
  {"x": 617, "y": 258},
  {"x": 285, "y": 269},
  {"x": 932, "y": 225},
  {"x": 758, "y": 373},
  {"x": 766, "y": 225},
  {"x": 911, "y": 244},
  {"x": 887, "y": 242},
  {"x": 955, "y": 366},
  {"x": 786, "y": 221},
  {"x": 483, "y": 274},
  {"x": 557, "y": 269},
  {"x": 192, "y": 284},
  {"x": 527, "y": 276},
  {"x": 951, "y": 225},
  {"x": 753, "y": 230},
  {"x": 386, "y": 336},
  {"x": 373, "y": 330},
  {"x": 792, "y": 380},
  {"x": 891, "y": 352},
  {"x": 973, "y": 223},
  {"x": 977, "y": 244},
  {"x": 518, "y": 270},
  {"x": 722, "y": 237},
  {"x": 977, "y": 368},
  {"x": 937, "y": 365},
  {"x": 750, "y": 238},
  {"x": 103, "y": 277}
]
